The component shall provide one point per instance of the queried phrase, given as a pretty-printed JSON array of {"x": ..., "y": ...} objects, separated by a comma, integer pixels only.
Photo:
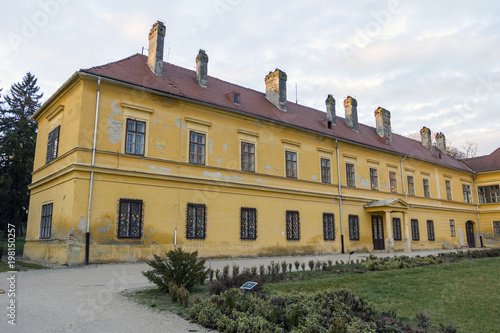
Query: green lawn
[
  {"x": 463, "y": 294},
  {"x": 19, "y": 245}
]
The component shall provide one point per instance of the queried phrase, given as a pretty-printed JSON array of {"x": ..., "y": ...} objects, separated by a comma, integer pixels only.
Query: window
[
  {"x": 394, "y": 182},
  {"x": 247, "y": 156},
  {"x": 328, "y": 226},
  {"x": 396, "y": 227},
  {"x": 46, "y": 222},
  {"x": 135, "y": 139},
  {"x": 197, "y": 148},
  {"x": 448, "y": 190},
  {"x": 52, "y": 144},
  {"x": 489, "y": 194},
  {"x": 353, "y": 227},
  {"x": 411, "y": 186},
  {"x": 130, "y": 218},
  {"x": 430, "y": 230},
  {"x": 236, "y": 98},
  {"x": 466, "y": 191},
  {"x": 291, "y": 164},
  {"x": 374, "y": 178},
  {"x": 452, "y": 228},
  {"x": 292, "y": 225},
  {"x": 248, "y": 223},
  {"x": 325, "y": 170},
  {"x": 195, "y": 225},
  {"x": 427, "y": 192},
  {"x": 351, "y": 181},
  {"x": 414, "y": 230},
  {"x": 496, "y": 228}
]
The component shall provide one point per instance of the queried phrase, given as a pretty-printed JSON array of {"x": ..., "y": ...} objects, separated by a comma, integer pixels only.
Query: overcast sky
[{"x": 431, "y": 63}]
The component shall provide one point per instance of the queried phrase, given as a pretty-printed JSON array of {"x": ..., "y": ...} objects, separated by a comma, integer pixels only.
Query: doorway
[
  {"x": 378, "y": 232},
  {"x": 469, "y": 231}
]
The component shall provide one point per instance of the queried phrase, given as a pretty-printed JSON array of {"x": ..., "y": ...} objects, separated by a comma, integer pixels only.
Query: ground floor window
[
  {"x": 248, "y": 223},
  {"x": 353, "y": 227},
  {"x": 292, "y": 225},
  {"x": 396, "y": 226},
  {"x": 328, "y": 226},
  {"x": 430, "y": 230},
  {"x": 452, "y": 228},
  {"x": 46, "y": 222},
  {"x": 496, "y": 228},
  {"x": 414, "y": 230},
  {"x": 196, "y": 223},
  {"x": 130, "y": 218}
]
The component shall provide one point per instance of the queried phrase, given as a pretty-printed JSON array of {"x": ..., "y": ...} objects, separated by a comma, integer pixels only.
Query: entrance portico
[{"x": 386, "y": 208}]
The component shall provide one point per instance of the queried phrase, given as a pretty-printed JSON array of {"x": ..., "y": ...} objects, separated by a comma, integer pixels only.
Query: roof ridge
[{"x": 109, "y": 63}]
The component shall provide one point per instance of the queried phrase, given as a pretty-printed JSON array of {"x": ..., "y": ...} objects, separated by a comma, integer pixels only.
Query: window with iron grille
[
  {"x": 46, "y": 222},
  {"x": 130, "y": 218},
  {"x": 489, "y": 194},
  {"x": 291, "y": 164},
  {"x": 396, "y": 227},
  {"x": 496, "y": 228},
  {"x": 430, "y": 230},
  {"x": 195, "y": 225},
  {"x": 328, "y": 226},
  {"x": 247, "y": 156},
  {"x": 52, "y": 144},
  {"x": 427, "y": 192},
  {"x": 394, "y": 182},
  {"x": 197, "y": 148},
  {"x": 248, "y": 223},
  {"x": 325, "y": 170},
  {"x": 374, "y": 178},
  {"x": 466, "y": 191},
  {"x": 135, "y": 138},
  {"x": 411, "y": 185},
  {"x": 415, "y": 235},
  {"x": 350, "y": 175},
  {"x": 353, "y": 227},
  {"x": 292, "y": 225},
  {"x": 448, "y": 190},
  {"x": 452, "y": 228}
]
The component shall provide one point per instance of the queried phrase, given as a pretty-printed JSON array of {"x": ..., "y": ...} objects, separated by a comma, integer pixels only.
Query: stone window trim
[
  {"x": 350, "y": 175},
  {"x": 130, "y": 218},
  {"x": 292, "y": 225},
  {"x": 430, "y": 230},
  {"x": 328, "y": 226},
  {"x": 374, "y": 178},
  {"x": 46, "y": 220},
  {"x": 396, "y": 227},
  {"x": 496, "y": 229},
  {"x": 197, "y": 147},
  {"x": 135, "y": 137},
  {"x": 248, "y": 223},
  {"x": 325, "y": 171},
  {"x": 53, "y": 144},
  {"x": 196, "y": 221},
  {"x": 354, "y": 227},
  {"x": 452, "y": 228},
  {"x": 415, "y": 234},
  {"x": 291, "y": 164},
  {"x": 393, "y": 182}
]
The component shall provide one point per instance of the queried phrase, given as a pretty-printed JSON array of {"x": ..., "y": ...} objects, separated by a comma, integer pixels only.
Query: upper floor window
[
  {"x": 427, "y": 191},
  {"x": 247, "y": 156},
  {"x": 350, "y": 175},
  {"x": 353, "y": 227},
  {"x": 328, "y": 226},
  {"x": 489, "y": 194},
  {"x": 448, "y": 190},
  {"x": 292, "y": 225},
  {"x": 135, "y": 139},
  {"x": 374, "y": 178},
  {"x": 248, "y": 223},
  {"x": 52, "y": 144},
  {"x": 430, "y": 230},
  {"x": 291, "y": 164},
  {"x": 466, "y": 191},
  {"x": 195, "y": 224},
  {"x": 394, "y": 182},
  {"x": 197, "y": 148},
  {"x": 130, "y": 218},
  {"x": 325, "y": 170},
  {"x": 396, "y": 226},
  {"x": 411, "y": 185},
  {"x": 415, "y": 235},
  {"x": 46, "y": 222},
  {"x": 452, "y": 228}
]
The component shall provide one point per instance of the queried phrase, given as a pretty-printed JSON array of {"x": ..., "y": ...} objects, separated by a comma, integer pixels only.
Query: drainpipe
[
  {"x": 87, "y": 236},
  {"x": 403, "y": 179},
  {"x": 340, "y": 198},
  {"x": 477, "y": 210}
]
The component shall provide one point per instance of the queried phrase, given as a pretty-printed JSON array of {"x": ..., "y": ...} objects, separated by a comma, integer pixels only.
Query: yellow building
[{"x": 138, "y": 156}]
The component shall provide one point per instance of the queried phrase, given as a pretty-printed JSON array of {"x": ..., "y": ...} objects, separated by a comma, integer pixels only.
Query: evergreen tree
[{"x": 17, "y": 150}]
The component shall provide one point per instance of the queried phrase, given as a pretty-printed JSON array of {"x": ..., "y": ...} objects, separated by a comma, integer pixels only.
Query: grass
[
  {"x": 19, "y": 245},
  {"x": 21, "y": 265},
  {"x": 463, "y": 294}
]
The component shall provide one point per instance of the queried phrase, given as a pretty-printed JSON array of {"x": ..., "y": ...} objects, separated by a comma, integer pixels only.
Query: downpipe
[{"x": 340, "y": 198}]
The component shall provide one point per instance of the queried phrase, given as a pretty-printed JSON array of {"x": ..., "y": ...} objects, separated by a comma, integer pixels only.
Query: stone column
[
  {"x": 389, "y": 240},
  {"x": 406, "y": 239}
]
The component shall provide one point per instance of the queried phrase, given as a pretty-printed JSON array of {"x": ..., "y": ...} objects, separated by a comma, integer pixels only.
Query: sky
[{"x": 430, "y": 63}]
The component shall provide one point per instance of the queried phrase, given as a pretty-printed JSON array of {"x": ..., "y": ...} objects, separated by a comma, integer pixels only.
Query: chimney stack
[
  {"x": 202, "y": 68},
  {"x": 330, "y": 109},
  {"x": 425, "y": 134},
  {"x": 155, "y": 53},
  {"x": 441, "y": 142},
  {"x": 276, "y": 88},
  {"x": 383, "y": 123},
  {"x": 351, "y": 113}
]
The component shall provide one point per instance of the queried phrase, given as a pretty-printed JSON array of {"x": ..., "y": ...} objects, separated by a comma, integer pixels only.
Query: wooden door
[
  {"x": 469, "y": 231},
  {"x": 378, "y": 233}
]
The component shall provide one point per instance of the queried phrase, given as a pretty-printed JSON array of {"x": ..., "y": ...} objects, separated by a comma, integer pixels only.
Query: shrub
[
  {"x": 236, "y": 270},
  {"x": 297, "y": 265},
  {"x": 283, "y": 267},
  {"x": 303, "y": 266},
  {"x": 182, "y": 268},
  {"x": 173, "y": 290},
  {"x": 183, "y": 296},
  {"x": 311, "y": 264},
  {"x": 262, "y": 270}
]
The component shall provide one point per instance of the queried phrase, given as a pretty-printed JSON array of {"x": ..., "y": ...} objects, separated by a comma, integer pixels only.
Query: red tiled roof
[
  {"x": 181, "y": 82},
  {"x": 489, "y": 162}
]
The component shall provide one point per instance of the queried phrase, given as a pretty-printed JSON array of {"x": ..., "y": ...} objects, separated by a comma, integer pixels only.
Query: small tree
[{"x": 182, "y": 268}]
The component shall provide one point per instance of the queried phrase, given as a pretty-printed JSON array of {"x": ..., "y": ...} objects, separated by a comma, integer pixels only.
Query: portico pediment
[{"x": 389, "y": 204}]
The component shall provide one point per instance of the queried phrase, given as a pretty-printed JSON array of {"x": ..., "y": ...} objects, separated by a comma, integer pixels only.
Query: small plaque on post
[{"x": 248, "y": 285}]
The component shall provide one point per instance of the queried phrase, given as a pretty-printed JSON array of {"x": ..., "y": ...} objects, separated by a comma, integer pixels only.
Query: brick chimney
[
  {"x": 351, "y": 113},
  {"x": 202, "y": 68},
  {"x": 441, "y": 142},
  {"x": 330, "y": 109},
  {"x": 425, "y": 134},
  {"x": 276, "y": 88},
  {"x": 383, "y": 123},
  {"x": 155, "y": 53}
]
